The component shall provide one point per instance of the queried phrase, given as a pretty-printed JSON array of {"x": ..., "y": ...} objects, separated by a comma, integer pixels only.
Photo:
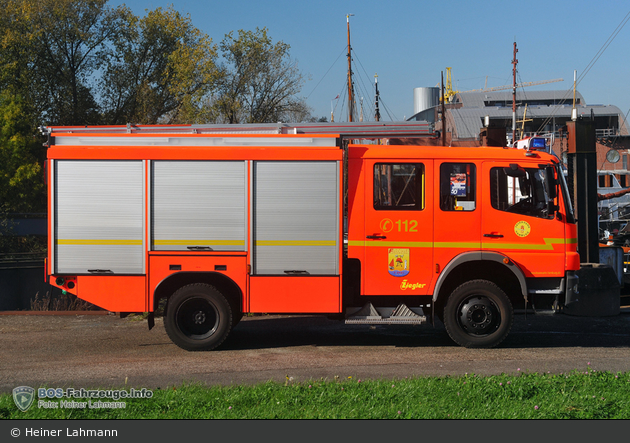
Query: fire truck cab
[{"x": 217, "y": 225}]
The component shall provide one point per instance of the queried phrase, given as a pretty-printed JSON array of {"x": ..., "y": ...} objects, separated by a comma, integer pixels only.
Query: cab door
[
  {"x": 398, "y": 236},
  {"x": 519, "y": 219},
  {"x": 457, "y": 210}
]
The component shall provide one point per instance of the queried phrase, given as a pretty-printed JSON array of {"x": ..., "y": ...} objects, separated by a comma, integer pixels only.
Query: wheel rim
[
  {"x": 197, "y": 319},
  {"x": 479, "y": 316}
]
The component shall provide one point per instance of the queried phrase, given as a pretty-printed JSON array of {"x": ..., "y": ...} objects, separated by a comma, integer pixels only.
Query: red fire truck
[{"x": 218, "y": 222}]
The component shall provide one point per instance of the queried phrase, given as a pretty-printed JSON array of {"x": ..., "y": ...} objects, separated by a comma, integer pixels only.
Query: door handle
[
  {"x": 377, "y": 237},
  {"x": 493, "y": 235}
]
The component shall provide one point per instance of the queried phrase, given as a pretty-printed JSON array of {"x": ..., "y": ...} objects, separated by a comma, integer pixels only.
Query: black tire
[
  {"x": 478, "y": 314},
  {"x": 198, "y": 317}
]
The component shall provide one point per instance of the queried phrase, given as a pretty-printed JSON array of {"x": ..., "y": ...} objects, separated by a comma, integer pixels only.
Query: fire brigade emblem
[
  {"x": 398, "y": 259},
  {"x": 23, "y": 397},
  {"x": 522, "y": 229}
]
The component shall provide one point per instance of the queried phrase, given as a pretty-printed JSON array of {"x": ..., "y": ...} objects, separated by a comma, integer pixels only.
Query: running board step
[{"x": 369, "y": 315}]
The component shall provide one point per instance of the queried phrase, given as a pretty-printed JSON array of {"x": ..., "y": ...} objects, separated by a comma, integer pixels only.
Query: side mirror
[
  {"x": 550, "y": 182},
  {"x": 551, "y": 186}
]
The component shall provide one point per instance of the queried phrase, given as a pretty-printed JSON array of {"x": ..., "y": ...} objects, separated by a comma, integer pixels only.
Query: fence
[{"x": 22, "y": 281}]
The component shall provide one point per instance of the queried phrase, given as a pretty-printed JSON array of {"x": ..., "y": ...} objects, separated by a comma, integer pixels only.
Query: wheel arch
[
  {"x": 491, "y": 266},
  {"x": 228, "y": 287}
]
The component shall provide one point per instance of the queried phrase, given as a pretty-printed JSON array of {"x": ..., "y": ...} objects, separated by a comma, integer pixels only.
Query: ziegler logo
[{"x": 413, "y": 286}]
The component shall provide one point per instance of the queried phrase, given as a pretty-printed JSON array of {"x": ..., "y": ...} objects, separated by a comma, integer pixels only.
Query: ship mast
[
  {"x": 514, "y": 63},
  {"x": 377, "y": 113},
  {"x": 350, "y": 97}
]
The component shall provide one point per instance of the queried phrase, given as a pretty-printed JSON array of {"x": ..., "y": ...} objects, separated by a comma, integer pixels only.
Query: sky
[{"x": 409, "y": 44}]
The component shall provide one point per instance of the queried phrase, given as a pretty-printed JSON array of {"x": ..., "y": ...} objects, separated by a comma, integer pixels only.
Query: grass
[
  {"x": 575, "y": 395},
  {"x": 63, "y": 302}
]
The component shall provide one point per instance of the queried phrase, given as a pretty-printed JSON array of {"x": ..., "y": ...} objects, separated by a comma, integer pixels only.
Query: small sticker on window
[{"x": 458, "y": 184}]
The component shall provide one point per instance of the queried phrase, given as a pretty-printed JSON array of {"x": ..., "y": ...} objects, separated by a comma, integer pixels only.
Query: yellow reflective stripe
[
  {"x": 296, "y": 243},
  {"x": 117, "y": 242},
  {"x": 549, "y": 242},
  {"x": 391, "y": 244},
  {"x": 413, "y": 244},
  {"x": 199, "y": 242}
]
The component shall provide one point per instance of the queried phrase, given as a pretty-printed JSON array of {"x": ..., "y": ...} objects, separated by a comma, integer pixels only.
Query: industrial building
[
  {"x": 538, "y": 112},
  {"x": 474, "y": 118},
  {"x": 542, "y": 113}
]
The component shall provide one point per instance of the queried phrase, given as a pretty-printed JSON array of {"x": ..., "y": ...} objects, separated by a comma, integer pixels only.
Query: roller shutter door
[
  {"x": 296, "y": 218},
  {"x": 198, "y": 205},
  {"x": 99, "y": 217}
]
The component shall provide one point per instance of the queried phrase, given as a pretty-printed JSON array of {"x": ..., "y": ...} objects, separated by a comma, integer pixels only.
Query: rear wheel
[
  {"x": 478, "y": 314},
  {"x": 198, "y": 317}
]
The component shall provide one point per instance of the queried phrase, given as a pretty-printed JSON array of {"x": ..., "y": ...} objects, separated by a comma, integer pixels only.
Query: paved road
[{"x": 106, "y": 351}]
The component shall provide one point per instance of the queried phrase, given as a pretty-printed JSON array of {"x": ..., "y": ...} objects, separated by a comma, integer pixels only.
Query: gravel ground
[{"x": 107, "y": 351}]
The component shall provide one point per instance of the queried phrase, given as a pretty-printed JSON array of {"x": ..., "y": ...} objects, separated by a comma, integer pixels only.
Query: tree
[
  {"x": 69, "y": 43},
  {"x": 162, "y": 69},
  {"x": 81, "y": 62},
  {"x": 259, "y": 81},
  {"x": 22, "y": 186},
  {"x": 14, "y": 47},
  {"x": 76, "y": 62}
]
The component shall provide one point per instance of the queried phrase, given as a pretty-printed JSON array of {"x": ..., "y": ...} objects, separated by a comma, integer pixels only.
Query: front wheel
[
  {"x": 198, "y": 317},
  {"x": 478, "y": 314}
]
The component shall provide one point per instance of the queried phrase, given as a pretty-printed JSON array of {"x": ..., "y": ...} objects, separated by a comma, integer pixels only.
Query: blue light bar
[{"x": 538, "y": 143}]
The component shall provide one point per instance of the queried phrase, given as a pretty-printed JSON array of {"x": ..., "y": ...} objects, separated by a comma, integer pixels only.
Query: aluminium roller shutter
[
  {"x": 296, "y": 218},
  {"x": 198, "y": 205},
  {"x": 98, "y": 216}
]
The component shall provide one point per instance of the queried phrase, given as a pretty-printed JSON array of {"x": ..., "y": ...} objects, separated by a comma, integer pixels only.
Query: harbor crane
[{"x": 449, "y": 92}]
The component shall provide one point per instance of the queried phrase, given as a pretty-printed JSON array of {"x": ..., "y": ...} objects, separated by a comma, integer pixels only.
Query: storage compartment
[
  {"x": 296, "y": 218},
  {"x": 294, "y": 295},
  {"x": 198, "y": 205},
  {"x": 98, "y": 216}
]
